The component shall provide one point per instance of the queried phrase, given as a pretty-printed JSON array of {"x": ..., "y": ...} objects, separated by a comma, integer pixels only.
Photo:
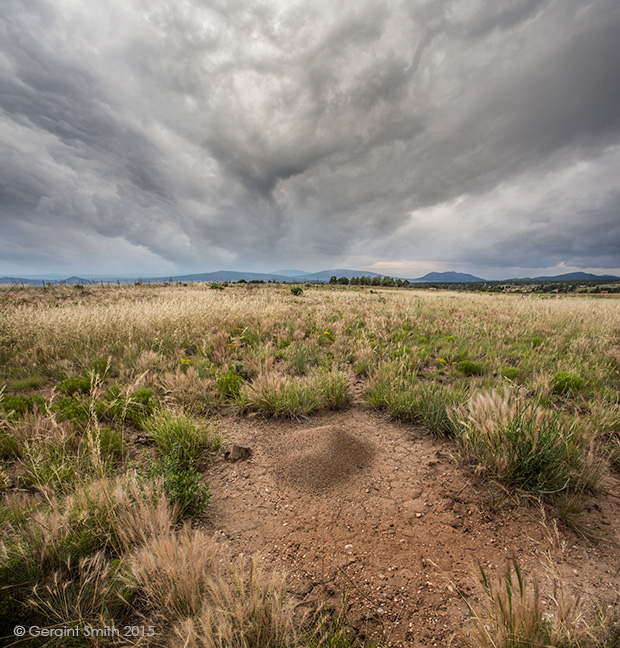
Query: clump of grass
[
  {"x": 301, "y": 356},
  {"x": 239, "y": 368},
  {"x": 69, "y": 458},
  {"x": 470, "y": 368},
  {"x": 281, "y": 397},
  {"x": 411, "y": 400},
  {"x": 134, "y": 406},
  {"x": 91, "y": 594},
  {"x": 519, "y": 442},
  {"x": 565, "y": 382},
  {"x": 188, "y": 389},
  {"x": 210, "y": 600},
  {"x": 26, "y": 384},
  {"x": 334, "y": 389},
  {"x": 513, "y": 616},
  {"x": 54, "y": 543},
  {"x": 169, "y": 431}
]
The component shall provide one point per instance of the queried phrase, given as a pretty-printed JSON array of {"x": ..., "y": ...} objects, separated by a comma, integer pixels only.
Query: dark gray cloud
[{"x": 149, "y": 137}]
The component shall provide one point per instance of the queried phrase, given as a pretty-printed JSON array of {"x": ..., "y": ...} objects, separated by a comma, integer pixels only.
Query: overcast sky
[{"x": 141, "y": 136}]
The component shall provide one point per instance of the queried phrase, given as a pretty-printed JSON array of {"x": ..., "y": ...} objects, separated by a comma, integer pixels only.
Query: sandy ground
[{"x": 352, "y": 502}]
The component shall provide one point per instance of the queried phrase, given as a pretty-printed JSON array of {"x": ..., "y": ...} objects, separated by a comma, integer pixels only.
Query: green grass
[
  {"x": 282, "y": 397},
  {"x": 520, "y": 443},
  {"x": 409, "y": 399},
  {"x": 181, "y": 435}
]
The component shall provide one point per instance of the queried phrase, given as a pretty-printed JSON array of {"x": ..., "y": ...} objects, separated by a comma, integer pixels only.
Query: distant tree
[
  {"x": 333, "y": 279},
  {"x": 365, "y": 280},
  {"x": 343, "y": 281},
  {"x": 387, "y": 281},
  {"x": 376, "y": 281}
]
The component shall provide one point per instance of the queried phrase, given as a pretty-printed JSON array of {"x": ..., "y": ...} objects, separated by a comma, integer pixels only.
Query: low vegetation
[
  {"x": 107, "y": 403},
  {"x": 513, "y": 615}
]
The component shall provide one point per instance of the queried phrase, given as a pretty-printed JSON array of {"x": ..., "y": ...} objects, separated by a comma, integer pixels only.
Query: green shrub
[
  {"x": 182, "y": 483},
  {"x": 510, "y": 372},
  {"x": 100, "y": 367},
  {"x": 75, "y": 385},
  {"x": 297, "y": 291},
  {"x": 135, "y": 407},
  {"x": 564, "y": 382},
  {"x": 470, "y": 368},
  {"x": 71, "y": 409},
  {"x": 228, "y": 384},
  {"x": 18, "y": 405}
]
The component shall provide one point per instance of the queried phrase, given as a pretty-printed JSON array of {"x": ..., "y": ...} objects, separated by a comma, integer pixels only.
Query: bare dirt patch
[{"x": 351, "y": 502}]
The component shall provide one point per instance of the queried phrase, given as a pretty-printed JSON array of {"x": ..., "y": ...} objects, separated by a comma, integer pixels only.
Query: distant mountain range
[
  {"x": 298, "y": 276},
  {"x": 571, "y": 276}
]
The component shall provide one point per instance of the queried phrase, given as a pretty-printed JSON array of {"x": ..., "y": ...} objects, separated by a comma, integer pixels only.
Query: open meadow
[{"x": 257, "y": 466}]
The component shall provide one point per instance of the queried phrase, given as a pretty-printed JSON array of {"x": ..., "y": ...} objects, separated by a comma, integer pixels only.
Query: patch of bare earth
[{"x": 351, "y": 502}]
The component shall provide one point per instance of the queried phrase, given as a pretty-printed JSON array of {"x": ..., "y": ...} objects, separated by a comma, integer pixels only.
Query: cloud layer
[{"x": 152, "y": 137}]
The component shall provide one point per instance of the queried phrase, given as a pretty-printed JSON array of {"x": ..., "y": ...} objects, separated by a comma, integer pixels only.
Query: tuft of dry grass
[
  {"x": 208, "y": 599},
  {"x": 520, "y": 442},
  {"x": 513, "y": 616}
]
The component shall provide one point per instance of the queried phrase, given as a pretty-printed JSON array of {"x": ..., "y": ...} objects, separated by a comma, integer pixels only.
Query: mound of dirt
[
  {"x": 316, "y": 460},
  {"x": 356, "y": 508}
]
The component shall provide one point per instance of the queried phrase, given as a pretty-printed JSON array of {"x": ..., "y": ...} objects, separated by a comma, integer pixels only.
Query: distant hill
[
  {"x": 447, "y": 277},
  {"x": 11, "y": 281},
  {"x": 574, "y": 276}
]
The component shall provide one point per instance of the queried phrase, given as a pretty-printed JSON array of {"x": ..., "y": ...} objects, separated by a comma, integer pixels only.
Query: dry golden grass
[{"x": 206, "y": 598}]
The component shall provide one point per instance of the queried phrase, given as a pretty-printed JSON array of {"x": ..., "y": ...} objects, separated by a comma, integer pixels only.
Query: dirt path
[{"x": 351, "y": 501}]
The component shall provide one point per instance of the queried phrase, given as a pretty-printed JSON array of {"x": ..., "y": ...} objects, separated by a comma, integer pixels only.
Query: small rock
[{"x": 237, "y": 453}]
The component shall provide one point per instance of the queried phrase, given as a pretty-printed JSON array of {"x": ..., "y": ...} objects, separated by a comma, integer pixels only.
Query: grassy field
[{"x": 105, "y": 416}]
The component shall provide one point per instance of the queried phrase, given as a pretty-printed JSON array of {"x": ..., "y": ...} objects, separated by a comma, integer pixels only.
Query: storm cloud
[{"x": 175, "y": 137}]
